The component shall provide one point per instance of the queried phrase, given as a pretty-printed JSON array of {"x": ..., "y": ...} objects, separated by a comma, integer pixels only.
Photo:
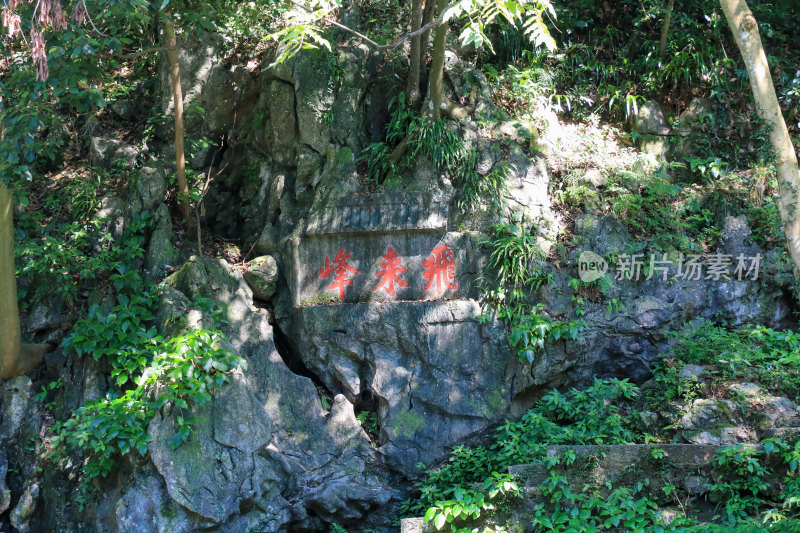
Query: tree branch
[
  {"x": 390, "y": 46},
  {"x": 337, "y": 24}
]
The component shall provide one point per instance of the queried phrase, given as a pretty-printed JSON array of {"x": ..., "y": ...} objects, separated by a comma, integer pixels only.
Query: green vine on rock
[{"x": 514, "y": 273}]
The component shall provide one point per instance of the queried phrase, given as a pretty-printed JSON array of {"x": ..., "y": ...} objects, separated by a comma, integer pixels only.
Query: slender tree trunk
[
  {"x": 9, "y": 311},
  {"x": 662, "y": 45},
  {"x": 412, "y": 83},
  {"x": 177, "y": 98},
  {"x": 437, "y": 101},
  {"x": 438, "y": 104},
  {"x": 745, "y": 32},
  {"x": 427, "y": 17},
  {"x": 15, "y": 358}
]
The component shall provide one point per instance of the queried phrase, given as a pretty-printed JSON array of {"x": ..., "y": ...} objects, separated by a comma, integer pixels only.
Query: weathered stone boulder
[
  {"x": 231, "y": 476},
  {"x": 262, "y": 276},
  {"x": 150, "y": 186},
  {"x": 161, "y": 254},
  {"x": 716, "y": 422},
  {"x": 5, "y": 492},
  {"x": 21, "y": 515},
  {"x": 104, "y": 152},
  {"x": 272, "y": 458},
  {"x": 18, "y": 406},
  {"x": 650, "y": 119}
]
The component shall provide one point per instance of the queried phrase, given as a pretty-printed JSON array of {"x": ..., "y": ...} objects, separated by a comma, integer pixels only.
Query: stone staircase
[{"x": 689, "y": 468}]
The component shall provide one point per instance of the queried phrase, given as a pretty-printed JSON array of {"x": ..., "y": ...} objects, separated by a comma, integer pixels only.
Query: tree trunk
[
  {"x": 427, "y": 17},
  {"x": 412, "y": 83},
  {"x": 15, "y": 358},
  {"x": 438, "y": 104},
  {"x": 662, "y": 45},
  {"x": 437, "y": 101},
  {"x": 9, "y": 311},
  {"x": 745, "y": 32},
  {"x": 177, "y": 98}
]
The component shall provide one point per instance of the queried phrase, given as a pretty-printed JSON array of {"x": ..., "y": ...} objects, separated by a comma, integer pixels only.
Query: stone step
[
  {"x": 687, "y": 467},
  {"x": 601, "y": 463},
  {"x": 785, "y": 434}
]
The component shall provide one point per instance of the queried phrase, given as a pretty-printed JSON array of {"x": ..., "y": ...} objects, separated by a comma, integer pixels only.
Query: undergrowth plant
[
  {"x": 149, "y": 372},
  {"x": 514, "y": 272},
  {"x": 759, "y": 354},
  {"x": 474, "y": 479},
  {"x": 66, "y": 259}
]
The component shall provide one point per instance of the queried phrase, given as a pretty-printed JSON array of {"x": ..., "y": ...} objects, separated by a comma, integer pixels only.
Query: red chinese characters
[
  {"x": 343, "y": 272},
  {"x": 440, "y": 268},
  {"x": 391, "y": 268}
]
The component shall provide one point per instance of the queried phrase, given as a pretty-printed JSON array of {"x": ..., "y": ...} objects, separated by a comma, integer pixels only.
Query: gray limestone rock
[
  {"x": 161, "y": 254},
  {"x": 345, "y": 499},
  {"x": 124, "y": 109},
  {"x": 151, "y": 186},
  {"x": 22, "y": 513},
  {"x": 262, "y": 276},
  {"x": 268, "y": 241},
  {"x": 650, "y": 119},
  {"x": 231, "y": 475},
  {"x": 104, "y": 152},
  {"x": 282, "y": 125},
  {"x": 5, "y": 492},
  {"x": 716, "y": 422},
  {"x": 284, "y": 450},
  {"x": 17, "y": 406},
  {"x": 438, "y": 374}
]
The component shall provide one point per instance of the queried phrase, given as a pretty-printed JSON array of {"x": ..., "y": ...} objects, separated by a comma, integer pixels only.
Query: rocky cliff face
[{"x": 369, "y": 298}]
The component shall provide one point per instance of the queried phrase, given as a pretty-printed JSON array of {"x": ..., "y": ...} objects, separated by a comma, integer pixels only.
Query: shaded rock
[
  {"x": 262, "y": 276},
  {"x": 650, "y": 119},
  {"x": 428, "y": 384},
  {"x": 145, "y": 496},
  {"x": 231, "y": 476},
  {"x": 309, "y": 166},
  {"x": 17, "y": 406},
  {"x": 602, "y": 234},
  {"x": 26, "y": 506},
  {"x": 691, "y": 372},
  {"x": 691, "y": 119},
  {"x": 105, "y": 152},
  {"x": 151, "y": 186},
  {"x": 161, "y": 254},
  {"x": 311, "y": 75},
  {"x": 124, "y": 109},
  {"x": 268, "y": 241},
  {"x": 5, "y": 492},
  {"x": 349, "y": 84},
  {"x": 282, "y": 125},
  {"x": 223, "y": 90},
  {"x": 345, "y": 500},
  {"x": 45, "y": 315}
]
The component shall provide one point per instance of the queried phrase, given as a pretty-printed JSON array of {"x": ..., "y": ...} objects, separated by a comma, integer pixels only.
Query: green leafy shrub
[
  {"x": 513, "y": 272},
  {"x": 63, "y": 257},
  {"x": 469, "y": 482},
  {"x": 149, "y": 372},
  {"x": 751, "y": 353}
]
